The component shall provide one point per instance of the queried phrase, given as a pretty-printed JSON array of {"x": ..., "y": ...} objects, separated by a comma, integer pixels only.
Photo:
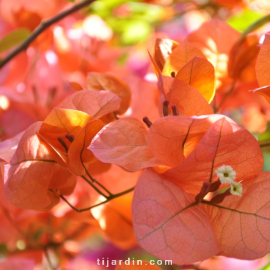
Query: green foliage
[
  {"x": 266, "y": 166},
  {"x": 3, "y": 250},
  {"x": 243, "y": 20},
  {"x": 135, "y": 31},
  {"x": 13, "y": 38},
  {"x": 266, "y": 267},
  {"x": 122, "y": 59},
  {"x": 131, "y": 28}
]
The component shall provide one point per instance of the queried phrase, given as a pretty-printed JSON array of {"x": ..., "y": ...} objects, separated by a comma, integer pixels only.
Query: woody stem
[
  {"x": 94, "y": 187},
  {"x": 41, "y": 28},
  {"x": 113, "y": 196},
  {"x": 48, "y": 259},
  {"x": 265, "y": 144},
  {"x": 95, "y": 181}
]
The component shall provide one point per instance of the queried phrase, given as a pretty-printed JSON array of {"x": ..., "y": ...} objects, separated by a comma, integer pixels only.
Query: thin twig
[
  {"x": 48, "y": 259},
  {"x": 265, "y": 144},
  {"x": 94, "y": 187},
  {"x": 42, "y": 27},
  {"x": 93, "y": 206},
  {"x": 95, "y": 181}
]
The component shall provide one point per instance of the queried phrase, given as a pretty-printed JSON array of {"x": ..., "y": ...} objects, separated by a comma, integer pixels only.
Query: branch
[
  {"x": 113, "y": 196},
  {"x": 94, "y": 187},
  {"x": 42, "y": 27},
  {"x": 49, "y": 259},
  {"x": 94, "y": 180},
  {"x": 267, "y": 144}
]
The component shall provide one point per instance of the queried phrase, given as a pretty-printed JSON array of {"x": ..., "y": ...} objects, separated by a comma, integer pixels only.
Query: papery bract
[
  {"x": 163, "y": 49},
  {"x": 115, "y": 220},
  {"x": 242, "y": 59},
  {"x": 8, "y": 147},
  {"x": 78, "y": 153},
  {"x": 180, "y": 56},
  {"x": 124, "y": 142},
  {"x": 264, "y": 91},
  {"x": 61, "y": 122},
  {"x": 241, "y": 223},
  {"x": 215, "y": 39},
  {"x": 224, "y": 143},
  {"x": 32, "y": 175},
  {"x": 262, "y": 64},
  {"x": 188, "y": 100},
  {"x": 169, "y": 223},
  {"x": 110, "y": 83},
  {"x": 94, "y": 103},
  {"x": 200, "y": 74},
  {"x": 172, "y": 139},
  {"x": 224, "y": 263}
]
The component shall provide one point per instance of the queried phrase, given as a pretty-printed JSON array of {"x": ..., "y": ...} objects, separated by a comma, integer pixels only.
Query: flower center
[{"x": 226, "y": 174}]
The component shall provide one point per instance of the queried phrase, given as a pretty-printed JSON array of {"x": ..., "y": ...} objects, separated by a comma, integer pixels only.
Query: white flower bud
[{"x": 226, "y": 174}]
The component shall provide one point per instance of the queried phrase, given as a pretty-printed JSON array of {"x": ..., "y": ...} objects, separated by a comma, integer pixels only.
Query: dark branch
[
  {"x": 113, "y": 196},
  {"x": 42, "y": 27}
]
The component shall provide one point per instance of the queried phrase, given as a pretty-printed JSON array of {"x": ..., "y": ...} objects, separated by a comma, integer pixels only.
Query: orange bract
[
  {"x": 78, "y": 153},
  {"x": 248, "y": 215},
  {"x": 32, "y": 175},
  {"x": 188, "y": 100},
  {"x": 94, "y": 103},
  {"x": 215, "y": 39},
  {"x": 163, "y": 49},
  {"x": 224, "y": 143},
  {"x": 124, "y": 136},
  {"x": 181, "y": 55},
  {"x": 200, "y": 74},
  {"x": 264, "y": 91},
  {"x": 61, "y": 122},
  {"x": 115, "y": 220},
  {"x": 243, "y": 57},
  {"x": 263, "y": 64},
  {"x": 173, "y": 138},
  {"x": 110, "y": 83},
  {"x": 166, "y": 226}
]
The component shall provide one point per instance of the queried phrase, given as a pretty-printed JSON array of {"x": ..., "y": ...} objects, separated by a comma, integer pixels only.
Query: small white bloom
[
  {"x": 236, "y": 189},
  {"x": 226, "y": 174}
]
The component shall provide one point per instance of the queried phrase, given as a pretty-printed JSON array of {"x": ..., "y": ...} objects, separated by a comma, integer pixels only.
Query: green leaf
[
  {"x": 13, "y": 38},
  {"x": 3, "y": 249},
  {"x": 122, "y": 59},
  {"x": 266, "y": 157},
  {"x": 257, "y": 24},
  {"x": 266, "y": 267},
  {"x": 135, "y": 31},
  {"x": 38, "y": 234},
  {"x": 242, "y": 21}
]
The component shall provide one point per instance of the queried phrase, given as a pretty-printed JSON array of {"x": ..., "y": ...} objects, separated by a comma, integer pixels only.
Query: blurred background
[{"x": 112, "y": 36}]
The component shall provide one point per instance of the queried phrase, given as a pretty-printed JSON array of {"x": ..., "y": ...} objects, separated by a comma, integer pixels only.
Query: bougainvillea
[{"x": 115, "y": 146}]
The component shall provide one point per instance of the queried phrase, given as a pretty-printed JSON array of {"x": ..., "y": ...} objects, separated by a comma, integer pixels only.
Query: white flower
[
  {"x": 226, "y": 174},
  {"x": 236, "y": 189}
]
